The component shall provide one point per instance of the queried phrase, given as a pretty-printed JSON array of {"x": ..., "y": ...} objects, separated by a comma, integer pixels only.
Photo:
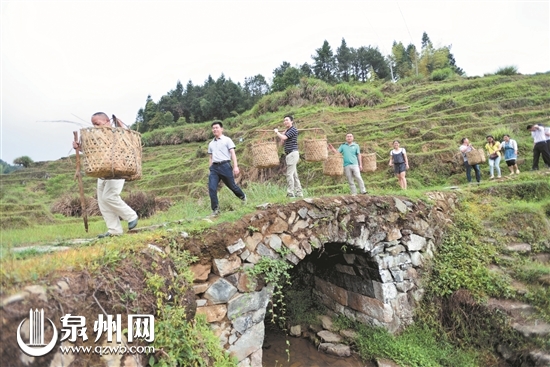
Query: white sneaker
[{"x": 490, "y": 178}]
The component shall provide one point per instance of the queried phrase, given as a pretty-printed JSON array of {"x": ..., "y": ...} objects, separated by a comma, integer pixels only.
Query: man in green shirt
[{"x": 352, "y": 163}]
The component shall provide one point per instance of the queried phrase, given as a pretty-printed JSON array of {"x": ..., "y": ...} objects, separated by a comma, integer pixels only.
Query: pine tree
[
  {"x": 344, "y": 59},
  {"x": 324, "y": 65}
]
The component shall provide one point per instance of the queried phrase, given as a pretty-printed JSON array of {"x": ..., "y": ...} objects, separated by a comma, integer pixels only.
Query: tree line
[{"x": 223, "y": 98}]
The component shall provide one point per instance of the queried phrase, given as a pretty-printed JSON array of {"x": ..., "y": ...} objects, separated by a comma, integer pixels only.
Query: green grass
[
  {"x": 462, "y": 262},
  {"x": 418, "y": 346}
]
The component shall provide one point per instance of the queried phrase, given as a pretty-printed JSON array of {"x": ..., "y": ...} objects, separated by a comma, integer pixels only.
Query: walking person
[
  {"x": 290, "y": 141},
  {"x": 547, "y": 134},
  {"x": 352, "y": 163},
  {"x": 493, "y": 151},
  {"x": 510, "y": 147},
  {"x": 466, "y": 147},
  {"x": 400, "y": 163},
  {"x": 111, "y": 205},
  {"x": 221, "y": 152},
  {"x": 540, "y": 146}
]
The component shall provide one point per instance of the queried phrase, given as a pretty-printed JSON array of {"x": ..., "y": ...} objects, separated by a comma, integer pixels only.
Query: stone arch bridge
[{"x": 387, "y": 243}]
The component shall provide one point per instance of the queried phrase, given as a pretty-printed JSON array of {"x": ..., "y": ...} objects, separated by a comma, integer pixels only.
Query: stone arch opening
[
  {"x": 319, "y": 285},
  {"x": 370, "y": 252}
]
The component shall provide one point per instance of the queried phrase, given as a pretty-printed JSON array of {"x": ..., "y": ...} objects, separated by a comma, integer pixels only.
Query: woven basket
[
  {"x": 264, "y": 155},
  {"x": 111, "y": 153},
  {"x": 334, "y": 165},
  {"x": 315, "y": 150},
  {"x": 475, "y": 156},
  {"x": 369, "y": 162}
]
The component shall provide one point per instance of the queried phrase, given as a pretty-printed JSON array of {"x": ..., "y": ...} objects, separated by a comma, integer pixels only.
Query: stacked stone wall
[{"x": 377, "y": 282}]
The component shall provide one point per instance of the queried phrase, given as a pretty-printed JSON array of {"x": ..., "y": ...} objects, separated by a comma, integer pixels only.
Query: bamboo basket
[
  {"x": 111, "y": 153},
  {"x": 369, "y": 162},
  {"x": 475, "y": 156},
  {"x": 264, "y": 155},
  {"x": 334, "y": 165},
  {"x": 315, "y": 150}
]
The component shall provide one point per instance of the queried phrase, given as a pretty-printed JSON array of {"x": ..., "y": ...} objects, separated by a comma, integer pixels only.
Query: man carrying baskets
[
  {"x": 221, "y": 152},
  {"x": 352, "y": 163},
  {"x": 290, "y": 140},
  {"x": 110, "y": 203}
]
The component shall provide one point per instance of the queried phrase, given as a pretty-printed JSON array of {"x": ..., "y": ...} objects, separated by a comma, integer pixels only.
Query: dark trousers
[
  {"x": 540, "y": 148},
  {"x": 223, "y": 172},
  {"x": 469, "y": 172}
]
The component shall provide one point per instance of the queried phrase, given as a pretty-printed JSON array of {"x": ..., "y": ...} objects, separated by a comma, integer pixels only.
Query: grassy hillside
[{"x": 429, "y": 118}]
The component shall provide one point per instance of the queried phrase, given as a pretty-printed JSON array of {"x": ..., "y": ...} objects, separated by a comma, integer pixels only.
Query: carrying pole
[{"x": 78, "y": 176}]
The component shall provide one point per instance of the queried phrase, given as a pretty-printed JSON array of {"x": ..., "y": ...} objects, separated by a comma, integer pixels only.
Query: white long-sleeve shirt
[{"x": 538, "y": 134}]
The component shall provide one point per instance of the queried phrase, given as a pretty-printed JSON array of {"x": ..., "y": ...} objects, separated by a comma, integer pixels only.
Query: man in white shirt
[
  {"x": 111, "y": 205},
  {"x": 540, "y": 147},
  {"x": 221, "y": 152}
]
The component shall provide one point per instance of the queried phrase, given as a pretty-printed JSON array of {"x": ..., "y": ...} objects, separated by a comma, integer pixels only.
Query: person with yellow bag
[{"x": 493, "y": 151}]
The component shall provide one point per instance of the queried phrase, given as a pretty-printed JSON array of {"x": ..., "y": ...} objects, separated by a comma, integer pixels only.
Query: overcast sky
[{"x": 65, "y": 60}]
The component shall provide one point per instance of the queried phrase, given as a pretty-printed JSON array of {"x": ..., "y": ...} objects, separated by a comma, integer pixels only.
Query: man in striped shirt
[{"x": 290, "y": 140}]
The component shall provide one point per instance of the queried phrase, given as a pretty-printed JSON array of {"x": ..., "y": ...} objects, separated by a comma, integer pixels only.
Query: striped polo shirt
[{"x": 291, "y": 143}]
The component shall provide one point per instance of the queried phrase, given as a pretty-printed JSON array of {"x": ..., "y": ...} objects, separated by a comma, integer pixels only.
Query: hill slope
[{"x": 429, "y": 118}]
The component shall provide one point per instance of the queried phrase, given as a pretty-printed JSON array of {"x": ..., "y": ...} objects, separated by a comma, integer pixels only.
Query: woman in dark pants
[{"x": 465, "y": 148}]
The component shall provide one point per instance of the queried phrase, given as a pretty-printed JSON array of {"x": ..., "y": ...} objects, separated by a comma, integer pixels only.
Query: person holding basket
[
  {"x": 111, "y": 205},
  {"x": 352, "y": 163},
  {"x": 465, "y": 148},
  {"x": 290, "y": 141}
]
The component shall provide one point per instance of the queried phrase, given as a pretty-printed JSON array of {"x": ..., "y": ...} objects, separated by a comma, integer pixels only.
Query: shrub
[
  {"x": 498, "y": 133},
  {"x": 146, "y": 204},
  {"x": 69, "y": 205},
  {"x": 200, "y": 153},
  {"x": 442, "y": 74},
  {"x": 507, "y": 70},
  {"x": 412, "y": 80},
  {"x": 24, "y": 161},
  {"x": 143, "y": 203}
]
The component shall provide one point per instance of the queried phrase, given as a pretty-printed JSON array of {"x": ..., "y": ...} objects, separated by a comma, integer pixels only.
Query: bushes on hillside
[
  {"x": 176, "y": 135},
  {"x": 24, "y": 161},
  {"x": 507, "y": 70},
  {"x": 313, "y": 91},
  {"x": 442, "y": 74},
  {"x": 145, "y": 205}
]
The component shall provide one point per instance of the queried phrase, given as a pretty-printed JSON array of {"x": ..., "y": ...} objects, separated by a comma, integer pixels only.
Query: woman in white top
[
  {"x": 400, "y": 163},
  {"x": 510, "y": 148}
]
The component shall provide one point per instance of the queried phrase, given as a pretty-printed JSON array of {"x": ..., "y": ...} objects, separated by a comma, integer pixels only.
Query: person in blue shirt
[
  {"x": 510, "y": 147},
  {"x": 352, "y": 163}
]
